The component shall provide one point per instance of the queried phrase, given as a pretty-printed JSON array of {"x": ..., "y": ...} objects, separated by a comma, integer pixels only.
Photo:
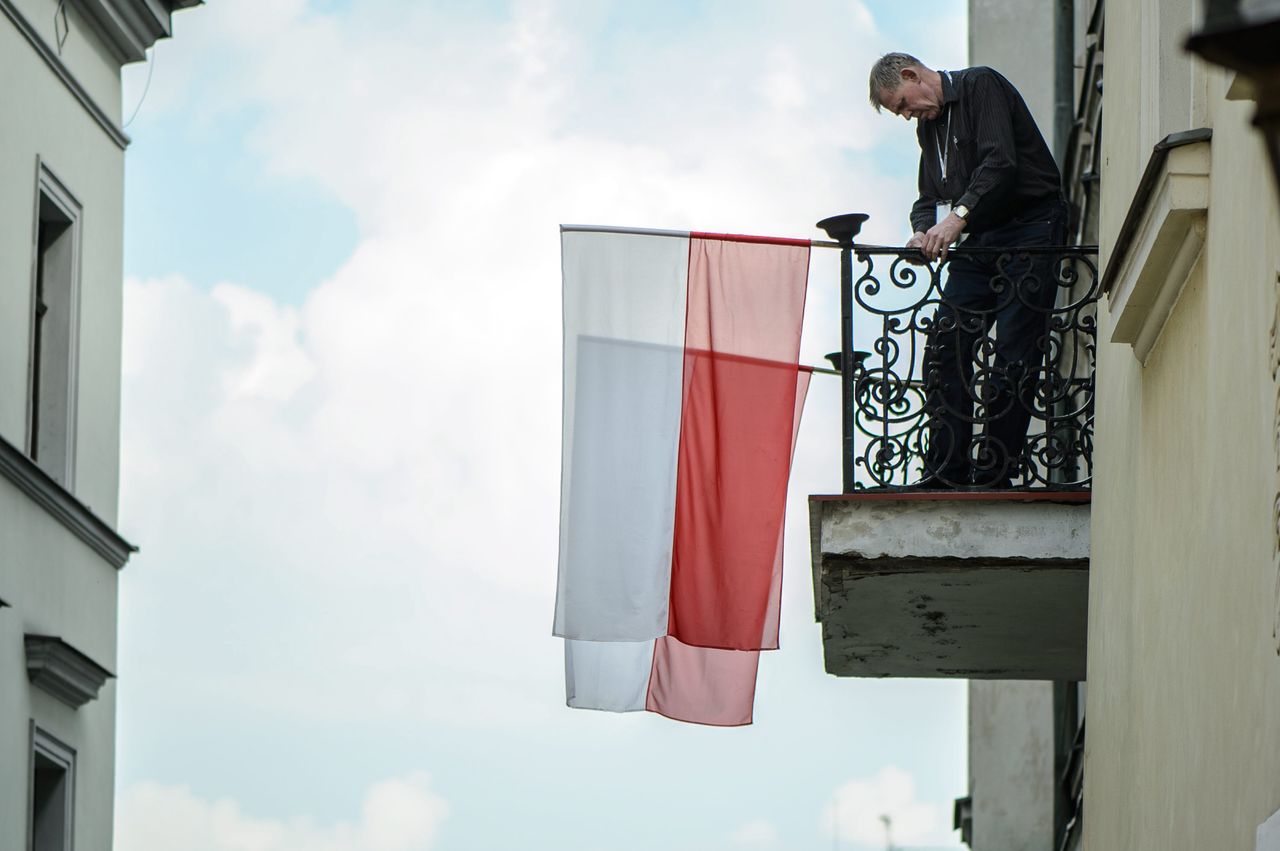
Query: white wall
[
  {"x": 83, "y": 53},
  {"x": 53, "y": 582},
  {"x": 57, "y": 129},
  {"x": 57, "y": 586}
]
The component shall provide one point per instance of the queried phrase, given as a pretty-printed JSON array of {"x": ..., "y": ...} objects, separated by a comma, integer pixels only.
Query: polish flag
[{"x": 682, "y": 397}]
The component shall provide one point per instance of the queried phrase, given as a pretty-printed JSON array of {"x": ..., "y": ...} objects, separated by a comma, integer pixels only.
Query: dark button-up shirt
[{"x": 997, "y": 162}]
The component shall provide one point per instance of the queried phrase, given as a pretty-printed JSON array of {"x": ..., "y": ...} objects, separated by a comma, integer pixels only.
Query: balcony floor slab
[{"x": 990, "y": 586}]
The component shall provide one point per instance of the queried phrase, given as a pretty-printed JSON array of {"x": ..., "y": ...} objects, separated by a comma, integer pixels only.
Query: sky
[{"x": 341, "y": 422}]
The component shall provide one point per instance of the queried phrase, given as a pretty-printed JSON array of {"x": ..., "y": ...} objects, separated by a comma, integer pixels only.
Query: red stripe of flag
[
  {"x": 736, "y": 435},
  {"x": 742, "y": 237}
]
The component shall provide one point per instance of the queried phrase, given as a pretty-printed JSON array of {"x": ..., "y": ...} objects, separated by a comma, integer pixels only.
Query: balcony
[{"x": 957, "y": 549}]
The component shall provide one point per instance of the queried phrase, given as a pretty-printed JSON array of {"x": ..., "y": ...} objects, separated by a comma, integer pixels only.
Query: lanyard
[{"x": 944, "y": 148}]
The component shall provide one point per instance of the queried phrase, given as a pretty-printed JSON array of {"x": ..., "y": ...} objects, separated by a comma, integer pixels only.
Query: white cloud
[
  {"x": 400, "y": 814},
  {"x": 383, "y": 457},
  {"x": 757, "y": 833},
  {"x": 858, "y": 808},
  {"x": 277, "y": 366},
  {"x": 348, "y": 506}
]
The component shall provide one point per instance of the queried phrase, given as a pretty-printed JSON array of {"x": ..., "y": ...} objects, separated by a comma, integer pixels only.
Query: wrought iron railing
[{"x": 935, "y": 390}]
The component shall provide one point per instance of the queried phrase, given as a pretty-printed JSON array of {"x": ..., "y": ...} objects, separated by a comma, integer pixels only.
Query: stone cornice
[
  {"x": 63, "y": 671},
  {"x": 129, "y": 27},
  {"x": 63, "y": 506}
]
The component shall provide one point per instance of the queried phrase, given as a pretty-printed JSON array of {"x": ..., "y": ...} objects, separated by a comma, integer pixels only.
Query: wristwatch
[{"x": 961, "y": 210}]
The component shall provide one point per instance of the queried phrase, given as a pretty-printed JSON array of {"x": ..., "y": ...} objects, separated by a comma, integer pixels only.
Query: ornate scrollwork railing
[{"x": 936, "y": 390}]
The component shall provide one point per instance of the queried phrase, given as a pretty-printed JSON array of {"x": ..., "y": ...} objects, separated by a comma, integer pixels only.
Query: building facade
[
  {"x": 1183, "y": 750},
  {"x": 1182, "y": 664},
  {"x": 61, "y": 247},
  {"x": 1129, "y": 584}
]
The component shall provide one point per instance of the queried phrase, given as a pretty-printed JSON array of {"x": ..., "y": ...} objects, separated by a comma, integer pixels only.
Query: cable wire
[
  {"x": 151, "y": 68},
  {"x": 65, "y": 33}
]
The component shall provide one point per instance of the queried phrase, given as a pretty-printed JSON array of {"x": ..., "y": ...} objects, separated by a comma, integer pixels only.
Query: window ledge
[
  {"x": 1160, "y": 239},
  {"x": 63, "y": 671},
  {"x": 78, "y": 518}
]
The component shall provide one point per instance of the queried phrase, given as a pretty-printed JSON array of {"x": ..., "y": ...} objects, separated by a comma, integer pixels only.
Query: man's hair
[{"x": 886, "y": 74}]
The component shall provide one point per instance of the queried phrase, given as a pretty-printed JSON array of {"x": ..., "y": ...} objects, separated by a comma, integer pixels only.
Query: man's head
[{"x": 902, "y": 84}]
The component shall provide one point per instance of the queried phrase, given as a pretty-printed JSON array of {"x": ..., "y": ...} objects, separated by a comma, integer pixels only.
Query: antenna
[{"x": 888, "y": 832}]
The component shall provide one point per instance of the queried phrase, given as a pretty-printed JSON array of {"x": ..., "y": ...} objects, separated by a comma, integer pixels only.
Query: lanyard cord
[{"x": 943, "y": 148}]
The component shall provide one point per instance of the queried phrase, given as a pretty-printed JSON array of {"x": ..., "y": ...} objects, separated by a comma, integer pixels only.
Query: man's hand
[
  {"x": 916, "y": 242},
  {"x": 937, "y": 241}
]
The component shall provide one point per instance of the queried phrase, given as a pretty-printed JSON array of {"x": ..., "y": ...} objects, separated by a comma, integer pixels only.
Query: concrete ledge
[
  {"x": 990, "y": 586},
  {"x": 63, "y": 671},
  {"x": 62, "y": 505}
]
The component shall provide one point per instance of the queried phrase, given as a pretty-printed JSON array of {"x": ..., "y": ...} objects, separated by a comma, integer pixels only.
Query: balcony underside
[{"x": 985, "y": 586}]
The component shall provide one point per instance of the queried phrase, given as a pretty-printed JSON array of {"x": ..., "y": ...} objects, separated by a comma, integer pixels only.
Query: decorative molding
[
  {"x": 49, "y": 187},
  {"x": 129, "y": 27},
  {"x": 61, "y": 71},
  {"x": 1160, "y": 240},
  {"x": 62, "y": 505},
  {"x": 1140, "y": 196},
  {"x": 63, "y": 671}
]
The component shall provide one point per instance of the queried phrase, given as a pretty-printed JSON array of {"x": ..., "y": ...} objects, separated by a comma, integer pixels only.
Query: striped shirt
[{"x": 997, "y": 163}]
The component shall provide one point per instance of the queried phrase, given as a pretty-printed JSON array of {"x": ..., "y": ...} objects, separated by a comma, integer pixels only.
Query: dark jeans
[{"x": 1016, "y": 294}]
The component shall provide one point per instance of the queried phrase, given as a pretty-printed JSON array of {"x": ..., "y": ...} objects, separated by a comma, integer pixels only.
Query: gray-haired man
[{"x": 985, "y": 170}]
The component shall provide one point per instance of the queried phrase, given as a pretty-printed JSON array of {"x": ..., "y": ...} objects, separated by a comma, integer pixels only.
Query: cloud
[
  {"x": 383, "y": 457},
  {"x": 858, "y": 809},
  {"x": 347, "y": 505},
  {"x": 757, "y": 833},
  {"x": 284, "y": 475},
  {"x": 400, "y": 814}
]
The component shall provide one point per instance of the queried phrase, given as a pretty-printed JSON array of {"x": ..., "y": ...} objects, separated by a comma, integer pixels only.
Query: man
[{"x": 985, "y": 171}]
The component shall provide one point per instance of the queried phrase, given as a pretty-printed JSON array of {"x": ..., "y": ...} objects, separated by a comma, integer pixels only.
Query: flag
[{"x": 682, "y": 397}]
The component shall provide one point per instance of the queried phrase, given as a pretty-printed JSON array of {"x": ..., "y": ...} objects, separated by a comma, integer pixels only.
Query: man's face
[{"x": 913, "y": 98}]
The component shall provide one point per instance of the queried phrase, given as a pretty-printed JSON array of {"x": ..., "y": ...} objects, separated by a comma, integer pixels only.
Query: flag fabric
[{"x": 682, "y": 398}]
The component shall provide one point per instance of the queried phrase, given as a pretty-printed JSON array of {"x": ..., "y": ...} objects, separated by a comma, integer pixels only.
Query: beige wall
[{"x": 1183, "y": 749}]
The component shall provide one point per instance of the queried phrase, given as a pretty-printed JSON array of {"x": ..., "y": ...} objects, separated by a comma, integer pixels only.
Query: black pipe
[{"x": 843, "y": 229}]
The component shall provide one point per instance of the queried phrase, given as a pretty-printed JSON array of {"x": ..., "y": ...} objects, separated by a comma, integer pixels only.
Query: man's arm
[
  {"x": 932, "y": 237},
  {"x": 923, "y": 212},
  {"x": 994, "y": 175},
  {"x": 925, "y": 209}
]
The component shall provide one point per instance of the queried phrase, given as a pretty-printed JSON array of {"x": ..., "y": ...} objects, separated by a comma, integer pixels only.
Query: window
[
  {"x": 55, "y": 315},
  {"x": 52, "y": 792}
]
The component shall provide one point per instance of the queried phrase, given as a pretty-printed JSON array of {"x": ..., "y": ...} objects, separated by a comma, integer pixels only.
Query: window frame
[
  {"x": 45, "y": 745},
  {"x": 49, "y": 187}
]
